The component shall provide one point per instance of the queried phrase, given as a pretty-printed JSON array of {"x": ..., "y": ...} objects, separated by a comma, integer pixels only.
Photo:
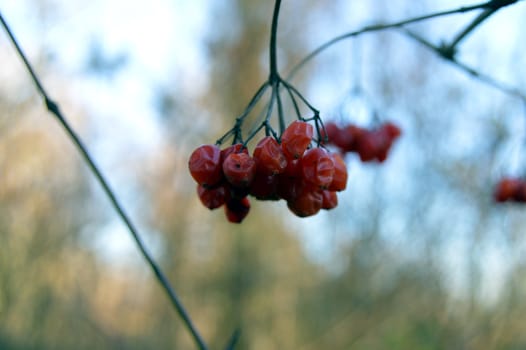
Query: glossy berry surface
[
  {"x": 296, "y": 138},
  {"x": 269, "y": 156},
  {"x": 307, "y": 176},
  {"x": 205, "y": 165},
  {"x": 212, "y": 198},
  {"x": 239, "y": 169},
  {"x": 329, "y": 200},
  {"x": 339, "y": 178},
  {"x": 317, "y": 167},
  {"x": 237, "y": 148},
  {"x": 307, "y": 203}
]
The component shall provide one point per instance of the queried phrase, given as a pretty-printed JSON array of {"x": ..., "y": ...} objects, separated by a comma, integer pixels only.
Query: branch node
[{"x": 447, "y": 52}]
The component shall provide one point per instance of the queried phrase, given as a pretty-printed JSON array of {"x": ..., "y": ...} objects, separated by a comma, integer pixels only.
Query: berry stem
[
  {"x": 295, "y": 91},
  {"x": 274, "y": 75},
  {"x": 281, "y": 116},
  {"x": 236, "y": 130},
  {"x": 294, "y": 102}
]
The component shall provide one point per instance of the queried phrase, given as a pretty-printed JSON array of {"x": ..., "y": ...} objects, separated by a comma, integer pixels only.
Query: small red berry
[
  {"x": 317, "y": 167},
  {"x": 332, "y": 134},
  {"x": 339, "y": 178},
  {"x": 293, "y": 168},
  {"x": 205, "y": 165},
  {"x": 236, "y": 148},
  {"x": 264, "y": 187},
  {"x": 269, "y": 157},
  {"x": 329, "y": 200},
  {"x": 296, "y": 138},
  {"x": 237, "y": 209},
  {"x": 239, "y": 169},
  {"x": 507, "y": 189},
  {"x": 212, "y": 198},
  {"x": 367, "y": 147},
  {"x": 307, "y": 203},
  {"x": 350, "y": 138},
  {"x": 289, "y": 188},
  {"x": 392, "y": 130}
]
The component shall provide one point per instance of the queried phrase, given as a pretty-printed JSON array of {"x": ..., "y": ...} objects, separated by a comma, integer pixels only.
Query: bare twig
[
  {"x": 493, "y": 4},
  {"x": 486, "y": 79},
  {"x": 234, "y": 339},
  {"x": 54, "y": 109}
]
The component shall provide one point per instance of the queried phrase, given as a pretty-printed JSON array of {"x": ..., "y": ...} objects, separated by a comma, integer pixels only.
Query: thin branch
[
  {"x": 234, "y": 339},
  {"x": 274, "y": 75},
  {"x": 303, "y": 99},
  {"x": 474, "y": 24},
  {"x": 486, "y": 79},
  {"x": 281, "y": 116},
  {"x": 377, "y": 27},
  {"x": 450, "y": 50},
  {"x": 55, "y": 110},
  {"x": 236, "y": 130},
  {"x": 294, "y": 102}
]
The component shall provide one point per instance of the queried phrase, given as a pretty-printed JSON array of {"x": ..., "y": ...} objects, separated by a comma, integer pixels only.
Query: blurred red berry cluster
[
  {"x": 307, "y": 178},
  {"x": 511, "y": 189},
  {"x": 370, "y": 144}
]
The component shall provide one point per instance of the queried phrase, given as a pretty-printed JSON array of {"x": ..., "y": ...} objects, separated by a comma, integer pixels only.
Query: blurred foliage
[{"x": 389, "y": 280}]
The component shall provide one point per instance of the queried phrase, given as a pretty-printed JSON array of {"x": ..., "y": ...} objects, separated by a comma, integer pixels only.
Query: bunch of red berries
[
  {"x": 307, "y": 178},
  {"x": 511, "y": 189},
  {"x": 370, "y": 144}
]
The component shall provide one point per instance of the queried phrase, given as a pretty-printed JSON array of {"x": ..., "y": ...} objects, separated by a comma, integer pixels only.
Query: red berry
[
  {"x": 205, "y": 165},
  {"x": 349, "y": 138},
  {"x": 269, "y": 157},
  {"x": 289, "y": 188},
  {"x": 392, "y": 130},
  {"x": 332, "y": 133},
  {"x": 293, "y": 168},
  {"x": 329, "y": 200},
  {"x": 296, "y": 138},
  {"x": 307, "y": 203},
  {"x": 520, "y": 193},
  {"x": 237, "y": 148},
  {"x": 239, "y": 169},
  {"x": 507, "y": 189},
  {"x": 237, "y": 209},
  {"x": 339, "y": 178},
  {"x": 317, "y": 167},
  {"x": 212, "y": 198},
  {"x": 373, "y": 145},
  {"x": 264, "y": 187}
]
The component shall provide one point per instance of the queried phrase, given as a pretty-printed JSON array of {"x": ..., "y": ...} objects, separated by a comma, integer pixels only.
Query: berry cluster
[
  {"x": 307, "y": 178},
  {"x": 370, "y": 145},
  {"x": 511, "y": 189}
]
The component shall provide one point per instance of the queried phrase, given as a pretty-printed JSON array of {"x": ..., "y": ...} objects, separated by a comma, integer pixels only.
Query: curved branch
[
  {"x": 273, "y": 54},
  {"x": 377, "y": 27},
  {"x": 486, "y": 79}
]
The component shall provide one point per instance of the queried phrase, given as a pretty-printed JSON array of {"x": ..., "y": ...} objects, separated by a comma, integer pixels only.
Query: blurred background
[{"x": 416, "y": 255}]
